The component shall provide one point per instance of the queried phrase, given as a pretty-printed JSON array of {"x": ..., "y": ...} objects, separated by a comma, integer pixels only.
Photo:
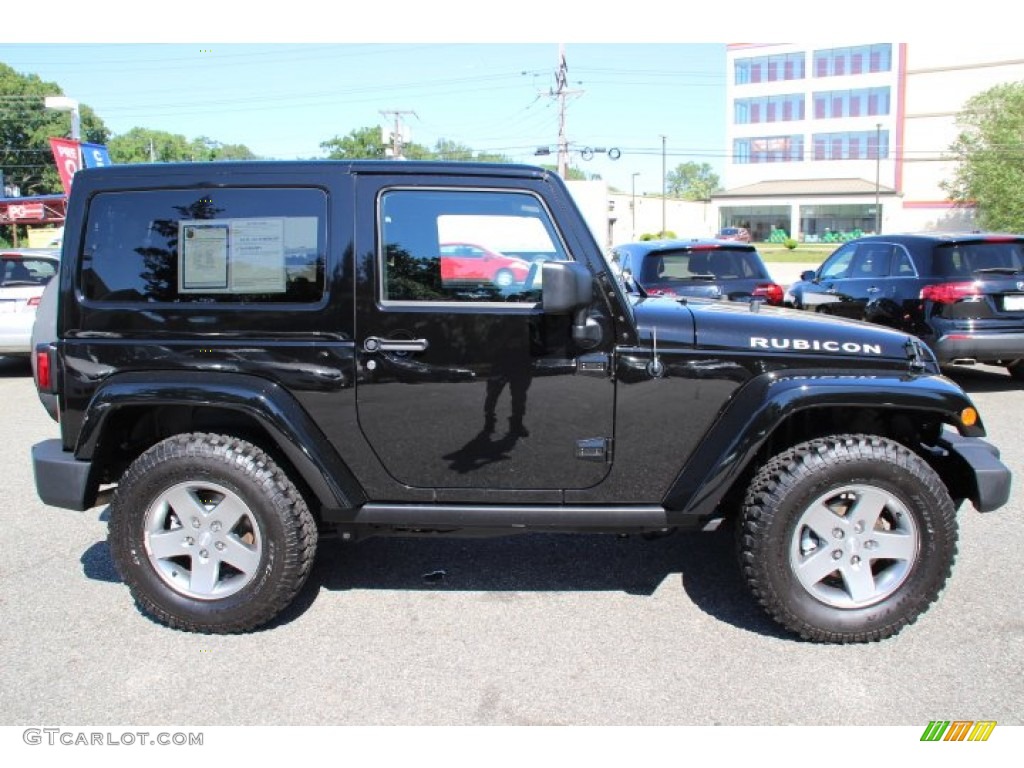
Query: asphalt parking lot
[{"x": 578, "y": 630}]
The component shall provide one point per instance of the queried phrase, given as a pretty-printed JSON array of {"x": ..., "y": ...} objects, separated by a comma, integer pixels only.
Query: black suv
[
  {"x": 246, "y": 356},
  {"x": 963, "y": 294},
  {"x": 712, "y": 269}
]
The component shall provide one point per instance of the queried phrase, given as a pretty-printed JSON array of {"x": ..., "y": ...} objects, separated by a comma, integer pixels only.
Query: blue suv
[{"x": 962, "y": 294}]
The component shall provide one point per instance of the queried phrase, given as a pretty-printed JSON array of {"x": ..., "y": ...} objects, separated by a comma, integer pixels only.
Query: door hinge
[{"x": 594, "y": 449}]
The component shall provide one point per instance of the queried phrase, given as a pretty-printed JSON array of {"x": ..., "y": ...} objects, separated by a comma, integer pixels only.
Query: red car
[{"x": 469, "y": 263}]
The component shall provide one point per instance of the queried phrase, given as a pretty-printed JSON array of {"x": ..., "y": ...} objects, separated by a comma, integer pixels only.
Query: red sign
[
  {"x": 21, "y": 211},
  {"x": 68, "y": 154}
]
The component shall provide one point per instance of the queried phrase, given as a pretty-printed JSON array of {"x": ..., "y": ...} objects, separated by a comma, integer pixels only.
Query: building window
[
  {"x": 837, "y": 62},
  {"x": 835, "y": 104},
  {"x": 770, "y": 69},
  {"x": 881, "y": 57},
  {"x": 769, "y": 108},
  {"x": 768, "y": 149},
  {"x": 850, "y": 145}
]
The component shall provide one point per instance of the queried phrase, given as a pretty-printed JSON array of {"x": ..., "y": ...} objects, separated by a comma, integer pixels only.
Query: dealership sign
[
  {"x": 68, "y": 154},
  {"x": 94, "y": 155},
  {"x": 24, "y": 211}
]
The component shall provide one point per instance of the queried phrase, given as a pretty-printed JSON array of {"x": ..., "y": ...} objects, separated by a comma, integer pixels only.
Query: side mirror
[
  {"x": 567, "y": 287},
  {"x": 807, "y": 276}
]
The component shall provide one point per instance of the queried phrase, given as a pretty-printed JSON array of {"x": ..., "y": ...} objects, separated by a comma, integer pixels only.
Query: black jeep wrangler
[{"x": 247, "y": 355}]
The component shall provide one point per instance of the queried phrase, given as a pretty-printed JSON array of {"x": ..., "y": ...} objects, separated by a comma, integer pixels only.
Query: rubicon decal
[
  {"x": 958, "y": 730},
  {"x": 814, "y": 345}
]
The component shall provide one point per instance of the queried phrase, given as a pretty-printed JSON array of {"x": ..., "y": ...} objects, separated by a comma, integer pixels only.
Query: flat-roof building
[{"x": 825, "y": 142}]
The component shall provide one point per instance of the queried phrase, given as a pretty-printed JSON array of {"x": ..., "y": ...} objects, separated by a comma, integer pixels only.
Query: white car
[{"x": 23, "y": 275}]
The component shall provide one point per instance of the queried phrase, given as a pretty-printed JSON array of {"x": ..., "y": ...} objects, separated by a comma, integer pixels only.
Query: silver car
[{"x": 23, "y": 275}]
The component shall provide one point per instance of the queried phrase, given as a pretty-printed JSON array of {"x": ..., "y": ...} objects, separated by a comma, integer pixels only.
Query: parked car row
[{"x": 960, "y": 293}]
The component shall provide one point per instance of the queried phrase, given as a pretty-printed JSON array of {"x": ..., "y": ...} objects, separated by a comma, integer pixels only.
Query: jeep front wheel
[
  {"x": 210, "y": 535},
  {"x": 847, "y": 538}
]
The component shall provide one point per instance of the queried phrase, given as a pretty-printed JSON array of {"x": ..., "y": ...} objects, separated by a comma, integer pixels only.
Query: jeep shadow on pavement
[{"x": 247, "y": 355}]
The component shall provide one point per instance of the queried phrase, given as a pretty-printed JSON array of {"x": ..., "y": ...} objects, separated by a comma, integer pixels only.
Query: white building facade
[{"x": 825, "y": 143}]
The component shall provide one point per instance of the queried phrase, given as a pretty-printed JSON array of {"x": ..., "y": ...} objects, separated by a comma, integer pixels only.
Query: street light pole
[
  {"x": 632, "y": 204},
  {"x": 64, "y": 104},
  {"x": 878, "y": 175},
  {"x": 664, "y": 192}
]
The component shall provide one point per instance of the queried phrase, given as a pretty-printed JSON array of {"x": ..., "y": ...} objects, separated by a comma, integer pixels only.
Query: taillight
[
  {"x": 771, "y": 292},
  {"x": 44, "y": 372},
  {"x": 33, "y": 302},
  {"x": 949, "y": 293}
]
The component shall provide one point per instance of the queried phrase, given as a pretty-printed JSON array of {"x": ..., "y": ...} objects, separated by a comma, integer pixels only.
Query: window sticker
[
  {"x": 204, "y": 257},
  {"x": 235, "y": 255},
  {"x": 257, "y": 259}
]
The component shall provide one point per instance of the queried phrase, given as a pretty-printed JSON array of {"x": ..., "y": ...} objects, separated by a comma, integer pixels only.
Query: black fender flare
[
  {"x": 765, "y": 402},
  {"x": 269, "y": 404}
]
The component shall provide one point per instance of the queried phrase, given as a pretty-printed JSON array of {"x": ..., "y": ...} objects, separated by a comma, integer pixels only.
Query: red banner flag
[{"x": 68, "y": 154}]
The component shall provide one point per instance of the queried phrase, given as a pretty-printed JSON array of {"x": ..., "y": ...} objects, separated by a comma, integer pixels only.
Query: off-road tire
[
  {"x": 789, "y": 517},
  {"x": 1016, "y": 370},
  {"x": 185, "y": 492}
]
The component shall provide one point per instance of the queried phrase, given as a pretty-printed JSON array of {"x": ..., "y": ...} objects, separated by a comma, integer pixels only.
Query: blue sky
[
  {"x": 282, "y": 78},
  {"x": 282, "y": 100}
]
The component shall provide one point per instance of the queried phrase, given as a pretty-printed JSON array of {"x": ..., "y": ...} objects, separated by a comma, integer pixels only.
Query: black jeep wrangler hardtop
[{"x": 247, "y": 355}]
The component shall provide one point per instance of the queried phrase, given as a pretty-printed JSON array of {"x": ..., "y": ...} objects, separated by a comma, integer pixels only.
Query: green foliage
[
  {"x": 668, "y": 234},
  {"x": 573, "y": 173},
  {"x": 790, "y": 243},
  {"x": 26, "y": 127},
  {"x": 692, "y": 181},
  {"x": 144, "y": 145},
  {"x": 990, "y": 157},
  {"x": 366, "y": 143}
]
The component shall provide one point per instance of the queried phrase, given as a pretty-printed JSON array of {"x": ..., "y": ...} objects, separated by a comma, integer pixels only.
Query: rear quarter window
[{"x": 205, "y": 246}]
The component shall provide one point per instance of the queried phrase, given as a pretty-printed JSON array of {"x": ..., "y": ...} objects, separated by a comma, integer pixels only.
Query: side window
[
  {"x": 837, "y": 266},
  {"x": 203, "y": 245},
  {"x": 902, "y": 265},
  {"x": 872, "y": 260},
  {"x": 463, "y": 245}
]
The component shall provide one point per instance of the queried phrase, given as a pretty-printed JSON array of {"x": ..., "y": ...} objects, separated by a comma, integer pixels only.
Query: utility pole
[
  {"x": 632, "y": 203},
  {"x": 397, "y": 135},
  {"x": 878, "y": 178},
  {"x": 562, "y": 93},
  {"x": 664, "y": 191}
]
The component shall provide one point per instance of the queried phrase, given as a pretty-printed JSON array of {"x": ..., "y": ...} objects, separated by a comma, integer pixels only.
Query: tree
[
  {"x": 446, "y": 149},
  {"x": 367, "y": 144},
  {"x": 144, "y": 145},
  {"x": 26, "y": 127},
  {"x": 989, "y": 150},
  {"x": 572, "y": 173},
  {"x": 692, "y": 181}
]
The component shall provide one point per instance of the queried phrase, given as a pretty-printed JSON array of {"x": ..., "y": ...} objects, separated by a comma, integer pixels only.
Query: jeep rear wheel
[
  {"x": 210, "y": 535},
  {"x": 847, "y": 538},
  {"x": 1016, "y": 369}
]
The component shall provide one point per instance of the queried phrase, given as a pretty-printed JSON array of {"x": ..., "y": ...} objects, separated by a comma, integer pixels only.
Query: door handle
[
  {"x": 375, "y": 344},
  {"x": 873, "y": 289}
]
